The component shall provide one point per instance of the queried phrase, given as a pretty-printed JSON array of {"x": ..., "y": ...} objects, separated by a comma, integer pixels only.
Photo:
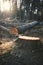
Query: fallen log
[
  {"x": 23, "y": 28},
  {"x": 3, "y": 28},
  {"x": 4, "y": 32},
  {"x": 17, "y": 30}
]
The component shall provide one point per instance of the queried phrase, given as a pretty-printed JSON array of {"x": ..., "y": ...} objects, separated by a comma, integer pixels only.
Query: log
[
  {"x": 3, "y": 28},
  {"x": 4, "y": 32},
  {"x": 16, "y": 30},
  {"x": 19, "y": 29},
  {"x": 23, "y": 28}
]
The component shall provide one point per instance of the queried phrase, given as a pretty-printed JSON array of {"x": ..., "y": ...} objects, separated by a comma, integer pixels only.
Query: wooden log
[
  {"x": 23, "y": 28},
  {"x": 4, "y": 32},
  {"x": 3, "y": 28},
  {"x": 19, "y": 29}
]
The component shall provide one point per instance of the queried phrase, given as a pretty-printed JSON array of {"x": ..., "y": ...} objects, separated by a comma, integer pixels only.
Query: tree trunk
[
  {"x": 22, "y": 29},
  {"x": 14, "y": 4}
]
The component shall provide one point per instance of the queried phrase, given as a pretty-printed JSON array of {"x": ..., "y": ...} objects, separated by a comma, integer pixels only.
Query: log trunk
[
  {"x": 4, "y": 32},
  {"x": 23, "y": 28}
]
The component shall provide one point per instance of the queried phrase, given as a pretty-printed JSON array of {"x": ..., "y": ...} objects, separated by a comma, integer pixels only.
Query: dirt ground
[{"x": 21, "y": 55}]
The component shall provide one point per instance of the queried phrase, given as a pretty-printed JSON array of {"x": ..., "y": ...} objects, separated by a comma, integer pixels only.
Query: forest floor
[{"x": 18, "y": 55}]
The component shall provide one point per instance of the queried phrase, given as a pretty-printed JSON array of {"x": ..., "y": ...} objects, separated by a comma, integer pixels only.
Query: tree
[
  {"x": 14, "y": 7},
  {"x": 34, "y": 8}
]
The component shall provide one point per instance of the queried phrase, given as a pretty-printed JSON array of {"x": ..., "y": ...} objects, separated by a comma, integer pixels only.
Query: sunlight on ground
[{"x": 6, "y": 46}]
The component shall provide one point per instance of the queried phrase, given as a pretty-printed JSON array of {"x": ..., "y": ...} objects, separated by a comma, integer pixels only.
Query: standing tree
[
  {"x": 14, "y": 8},
  {"x": 34, "y": 9}
]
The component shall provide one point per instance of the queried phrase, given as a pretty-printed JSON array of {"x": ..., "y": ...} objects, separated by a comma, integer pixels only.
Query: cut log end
[{"x": 13, "y": 31}]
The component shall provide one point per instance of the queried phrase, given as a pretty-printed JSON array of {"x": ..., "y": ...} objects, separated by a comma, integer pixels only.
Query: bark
[{"x": 22, "y": 29}]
